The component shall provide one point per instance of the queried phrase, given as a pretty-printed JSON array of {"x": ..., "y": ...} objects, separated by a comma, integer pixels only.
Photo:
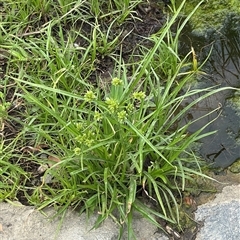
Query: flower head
[
  {"x": 97, "y": 116},
  {"x": 117, "y": 82},
  {"x": 89, "y": 96},
  {"x": 112, "y": 104},
  {"x": 122, "y": 116},
  {"x": 87, "y": 138},
  {"x": 130, "y": 107},
  {"x": 77, "y": 151},
  {"x": 139, "y": 95}
]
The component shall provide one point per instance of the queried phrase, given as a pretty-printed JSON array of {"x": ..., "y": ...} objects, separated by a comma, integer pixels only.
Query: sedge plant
[{"x": 113, "y": 143}]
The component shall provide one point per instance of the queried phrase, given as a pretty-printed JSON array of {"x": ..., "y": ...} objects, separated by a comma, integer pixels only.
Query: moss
[
  {"x": 235, "y": 167},
  {"x": 211, "y": 13},
  {"x": 234, "y": 102}
]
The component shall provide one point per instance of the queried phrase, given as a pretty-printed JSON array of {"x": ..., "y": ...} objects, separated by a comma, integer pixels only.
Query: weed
[{"x": 110, "y": 144}]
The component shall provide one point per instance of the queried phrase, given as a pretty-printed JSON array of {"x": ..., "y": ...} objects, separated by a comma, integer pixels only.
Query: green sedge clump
[{"x": 113, "y": 142}]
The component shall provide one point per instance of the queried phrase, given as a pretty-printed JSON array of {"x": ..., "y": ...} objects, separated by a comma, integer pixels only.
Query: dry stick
[{"x": 29, "y": 33}]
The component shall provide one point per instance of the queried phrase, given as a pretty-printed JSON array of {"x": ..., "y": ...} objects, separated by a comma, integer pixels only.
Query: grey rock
[
  {"x": 221, "y": 216},
  {"x": 25, "y": 223}
]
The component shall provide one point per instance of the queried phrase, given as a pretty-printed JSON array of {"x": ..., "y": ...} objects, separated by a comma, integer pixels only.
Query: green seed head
[
  {"x": 77, "y": 151},
  {"x": 122, "y": 116},
  {"x": 117, "y": 82},
  {"x": 112, "y": 104},
  {"x": 139, "y": 95},
  {"x": 97, "y": 116},
  {"x": 89, "y": 96}
]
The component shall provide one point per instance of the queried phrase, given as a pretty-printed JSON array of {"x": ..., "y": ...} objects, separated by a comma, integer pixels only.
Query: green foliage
[
  {"x": 210, "y": 14},
  {"x": 4, "y": 106},
  {"x": 11, "y": 175},
  {"x": 113, "y": 141}
]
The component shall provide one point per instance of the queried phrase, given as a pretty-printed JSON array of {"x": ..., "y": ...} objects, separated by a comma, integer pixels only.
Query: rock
[
  {"x": 221, "y": 216},
  {"x": 24, "y": 223}
]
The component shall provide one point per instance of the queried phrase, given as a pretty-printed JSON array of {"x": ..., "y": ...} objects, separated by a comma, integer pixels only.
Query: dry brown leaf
[
  {"x": 54, "y": 159},
  {"x": 189, "y": 201},
  {"x": 30, "y": 149}
]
